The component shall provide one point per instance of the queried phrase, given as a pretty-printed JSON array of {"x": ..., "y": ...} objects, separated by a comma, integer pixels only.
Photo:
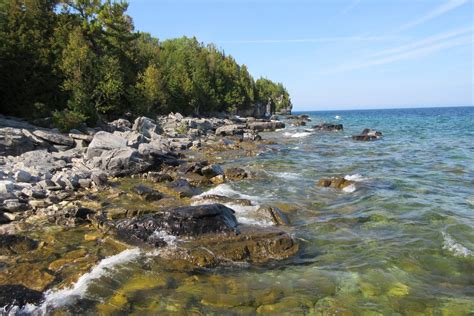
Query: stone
[
  {"x": 146, "y": 126},
  {"x": 265, "y": 126},
  {"x": 147, "y": 193},
  {"x": 182, "y": 221},
  {"x": 104, "y": 141},
  {"x": 298, "y": 123},
  {"x": 14, "y": 205},
  {"x": 13, "y": 142},
  {"x": 367, "y": 135},
  {"x": 99, "y": 178},
  {"x": 230, "y": 130},
  {"x": 6, "y": 186},
  {"x": 5, "y": 218},
  {"x": 338, "y": 182},
  {"x": 212, "y": 171},
  {"x": 159, "y": 177},
  {"x": 121, "y": 125},
  {"x": 54, "y": 137},
  {"x": 120, "y": 162},
  {"x": 14, "y": 244},
  {"x": 219, "y": 179},
  {"x": 183, "y": 189},
  {"x": 18, "y": 295},
  {"x": 214, "y": 198},
  {"x": 329, "y": 127},
  {"x": 274, "y": 214},
  {"x": 235, "y": 174}
]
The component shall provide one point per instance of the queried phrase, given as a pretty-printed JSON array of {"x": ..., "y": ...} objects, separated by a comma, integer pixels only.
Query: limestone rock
[{"x": 104, "y": 141}]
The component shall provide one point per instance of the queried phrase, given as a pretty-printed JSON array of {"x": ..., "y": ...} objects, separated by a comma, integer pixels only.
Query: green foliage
[
  {"x": 82, "y": 60},
  {"x": 66, "y": 120}
]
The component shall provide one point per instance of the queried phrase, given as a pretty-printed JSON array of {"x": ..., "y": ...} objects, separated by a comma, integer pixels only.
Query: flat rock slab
[
  {"x": 54, "y": 138},
  {"x": 182, "y": 221},
  {"x": 253, "y": 244}
]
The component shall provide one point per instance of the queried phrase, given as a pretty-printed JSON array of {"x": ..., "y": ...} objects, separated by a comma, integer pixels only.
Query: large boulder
[
  {"x": 146, "y": 126},
  {"x": 230, "y": 130},
  {"x": 55, "y": 138},
  {"x": 120, "y": 162},
  {"x": 182, "y": 221},
  {"x": 104, "y": 141},
  {"x": 265, "y": 126}
]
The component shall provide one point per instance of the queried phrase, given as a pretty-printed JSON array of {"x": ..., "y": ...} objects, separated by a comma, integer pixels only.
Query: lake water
[{"x": 401, "y": 241}]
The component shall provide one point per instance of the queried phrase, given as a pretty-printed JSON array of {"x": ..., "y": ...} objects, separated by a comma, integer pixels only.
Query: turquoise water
[{"x": 401, "y": 242}]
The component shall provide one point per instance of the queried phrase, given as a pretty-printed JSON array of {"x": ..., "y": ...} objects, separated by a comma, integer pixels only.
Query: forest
[{"x": 82, "y": 61}]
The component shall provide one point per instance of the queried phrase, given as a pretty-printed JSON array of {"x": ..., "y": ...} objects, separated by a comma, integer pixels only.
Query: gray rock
[
  {"x": 99, "y": 178},
  {"x": 6, "y": 186},
  {"x": 104, "y": 141},
  {"x": 14, "y": 205},
  {"x": 121, "y": 162},
  {"x": 146, "y": 126},
  {"x": 120, "y": 125},
  {"x": 22, "y": 176},
  {"x": 147, "y": 193},
  {"x": 183, "y": 188},
  {"x": 54, "y": 137},
  {"x": 265, "y": 126},
  {"x": 212, "y": 171},
  {"x": 230, "y": 130},
  {"x": 14, "y": 142}
]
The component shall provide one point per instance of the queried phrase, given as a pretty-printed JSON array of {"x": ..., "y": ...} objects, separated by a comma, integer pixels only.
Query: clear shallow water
[{"x": 401, "y": 243}]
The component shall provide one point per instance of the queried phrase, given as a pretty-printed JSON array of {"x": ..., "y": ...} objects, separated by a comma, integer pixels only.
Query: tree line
[{"x": 82, "y": 61}]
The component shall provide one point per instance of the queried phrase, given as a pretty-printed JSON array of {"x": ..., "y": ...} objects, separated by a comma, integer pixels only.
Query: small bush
[{"x": 66, "y": 120}]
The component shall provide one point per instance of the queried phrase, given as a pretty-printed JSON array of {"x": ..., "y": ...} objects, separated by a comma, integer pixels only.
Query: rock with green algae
[{"x": 337, "y": 183}]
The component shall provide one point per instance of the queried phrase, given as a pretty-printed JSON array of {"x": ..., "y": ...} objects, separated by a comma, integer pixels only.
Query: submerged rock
[
  {"x": 235, "y": 174},
  {"x": 14, "y": 245},
  {"x": 338, "y": 183},
  {"x": 367, "y": 135},
  {"x": 18, "y": 295},
  {"x": 328, "y": 127},
  {"x": 215, "y": 198},
  {"x": 274, "y": 214}
]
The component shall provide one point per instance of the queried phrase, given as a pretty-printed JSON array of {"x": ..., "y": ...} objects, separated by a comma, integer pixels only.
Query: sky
[{"x": 335, "y": 54}]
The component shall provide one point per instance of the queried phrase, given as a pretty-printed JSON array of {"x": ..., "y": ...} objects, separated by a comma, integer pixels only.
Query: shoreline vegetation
[{"x": 82, "y": 62}]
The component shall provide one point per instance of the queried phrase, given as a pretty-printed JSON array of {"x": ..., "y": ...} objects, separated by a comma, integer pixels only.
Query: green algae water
[{"x": 398, "y": 242}]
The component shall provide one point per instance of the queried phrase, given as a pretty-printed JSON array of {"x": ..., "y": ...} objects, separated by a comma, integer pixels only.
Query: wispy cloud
[
  {"x": 350, "y": 7},
  {"x": 438, "y": 11},
  {"x": 315, "y": 40},
  {"x": 427, "y": 46}
]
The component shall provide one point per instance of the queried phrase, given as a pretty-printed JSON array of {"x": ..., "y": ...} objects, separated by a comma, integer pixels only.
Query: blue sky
[{"x": 335, "y": 54}]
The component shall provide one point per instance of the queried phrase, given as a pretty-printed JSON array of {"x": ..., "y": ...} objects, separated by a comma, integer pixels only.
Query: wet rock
[
  {"x": 298, "y": 123},
  {"x": 18, "y": 295},
  {"x": 214, "y": 198},
  {"x": 147, "y": 193},
  {"x": 219, "y": 179},
  {"x": 54, "y": 137},
  {"x": 183, "y": 221},
  {"x": 338, "y": 183},
  {"x": 159, "y": 177},
  {"x": 274, "y": 214},
  {"x": 251, "y": 244},
  {"x": 104, "y": 141},
  {"x": 212, "y": 171},
  {"x": 15, "y": 244},
  {"x": 367, "y": 135},
  {"x": 235, "y": 174},
  {"x": 328, "y": 127},
  {"x": 183, "y": 188}
]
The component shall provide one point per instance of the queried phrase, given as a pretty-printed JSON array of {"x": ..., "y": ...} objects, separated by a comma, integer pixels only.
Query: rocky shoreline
[{"x": 128, "y": 184}]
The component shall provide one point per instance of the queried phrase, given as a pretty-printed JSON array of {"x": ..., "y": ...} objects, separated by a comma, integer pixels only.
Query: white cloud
[
  {"x": 427, "y": 46},
  {"x": 440, "y": 10}
]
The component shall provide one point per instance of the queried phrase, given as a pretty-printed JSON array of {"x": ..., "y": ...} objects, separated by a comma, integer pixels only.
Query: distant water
[{"x": 401, "y": 241}]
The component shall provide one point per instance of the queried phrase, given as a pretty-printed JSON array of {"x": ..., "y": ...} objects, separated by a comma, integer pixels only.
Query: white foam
[
  {"x": 300, "y": 135},
  {"x": 355, "y": 177},
  {"x": 455, "y": 247},
  {"x": 69, "y": 295},
  {"x": 286, "y": 175},
  {"x": 226, "y": 190},
  {"x": 170, "y": 240},
  {"x": 350, "y": 188},
  {"x": 337, "y": 117}
]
